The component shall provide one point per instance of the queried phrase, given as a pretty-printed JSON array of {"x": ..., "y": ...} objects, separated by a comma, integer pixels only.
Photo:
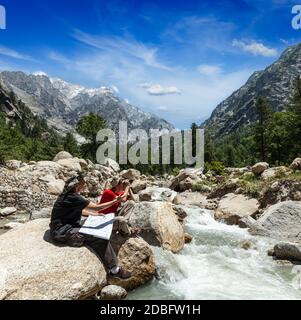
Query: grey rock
[
  {"x": 62, "y": 155},
  {"x": 288, "y": 251},
  {"x": 157, "y": 194},
  {"x": 281, "y": 221},
  {"x": 7, "y": 211},
  {"x": 113, "y": 292},
  {"x": 159, "y": 225},
  {"x": 296, "y": 164},
  {"x": 260, "y": 167}
]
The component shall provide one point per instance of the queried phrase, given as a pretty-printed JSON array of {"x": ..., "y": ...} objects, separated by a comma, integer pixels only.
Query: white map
[{"x": 99, "y": 226}]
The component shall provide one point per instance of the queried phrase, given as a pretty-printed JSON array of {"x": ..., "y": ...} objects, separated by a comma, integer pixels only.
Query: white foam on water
[{"x": 214, "y": 266}]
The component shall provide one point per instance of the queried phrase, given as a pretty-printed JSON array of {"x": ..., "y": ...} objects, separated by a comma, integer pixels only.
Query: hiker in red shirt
[{"x": 119, "y": 188}]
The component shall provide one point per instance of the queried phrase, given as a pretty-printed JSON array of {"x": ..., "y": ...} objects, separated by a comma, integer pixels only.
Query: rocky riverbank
[{"x": 264, "y": 200}]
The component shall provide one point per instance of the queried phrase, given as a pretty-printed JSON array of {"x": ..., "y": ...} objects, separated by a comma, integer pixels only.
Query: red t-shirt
[{"x": 107, "y": 196}]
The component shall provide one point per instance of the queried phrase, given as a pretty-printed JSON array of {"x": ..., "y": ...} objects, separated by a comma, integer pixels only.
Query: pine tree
[
  {"x": 264, "y": 113},
  {"x": 70, "y": 144}
]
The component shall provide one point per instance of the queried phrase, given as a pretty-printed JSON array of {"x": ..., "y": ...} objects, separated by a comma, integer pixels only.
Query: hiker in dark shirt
[{"x": 66, "y": 223}]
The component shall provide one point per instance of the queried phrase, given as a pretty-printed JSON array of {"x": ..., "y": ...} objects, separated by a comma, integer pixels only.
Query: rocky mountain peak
[{"x": 275, "y": 83}]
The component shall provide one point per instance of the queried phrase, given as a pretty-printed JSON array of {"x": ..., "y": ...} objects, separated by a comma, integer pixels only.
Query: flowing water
[{"x": 214, "y": 266}]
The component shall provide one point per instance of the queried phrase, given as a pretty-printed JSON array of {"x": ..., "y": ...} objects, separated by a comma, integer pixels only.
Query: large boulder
[
  {"x": 157, "y": 194},
  {"x": 234, "y": 207},
  {"x": 7, "y": 211},
  {"x": 191, "y": 173},
  {"x": 260, "y": 167},
  {"x": 33, "y": 268},
  {"x": 62, "y": 155},
  {"x": 138, "y": 185},
  {"x": 136, "y": 256},
  {"x": 296, "y": 164},
  {"x": 159, "y": 225},
  {"x": 272, "y": 172},
  {"x": 281, "y": 221},
  {"x": 71, "y": 164},
  {"x": 288, "y": 251}
]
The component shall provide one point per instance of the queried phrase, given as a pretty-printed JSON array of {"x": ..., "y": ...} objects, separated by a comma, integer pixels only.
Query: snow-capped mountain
[
  {"x": 63, "y": 103},
  {"x": 275, "y": 83}
]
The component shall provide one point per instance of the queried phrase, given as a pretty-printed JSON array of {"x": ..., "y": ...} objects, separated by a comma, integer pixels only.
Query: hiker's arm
[
  {"x": 125, "y": 194},
  {"x": 102, "y": 206},
  {"x": 132, "y": 196}
]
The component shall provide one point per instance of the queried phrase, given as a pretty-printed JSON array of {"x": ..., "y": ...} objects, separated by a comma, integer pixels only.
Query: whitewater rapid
[{"x": 215, "y": 266}]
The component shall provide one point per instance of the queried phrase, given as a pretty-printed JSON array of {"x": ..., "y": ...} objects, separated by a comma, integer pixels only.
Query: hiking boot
[{"x": 122, "y": 274}]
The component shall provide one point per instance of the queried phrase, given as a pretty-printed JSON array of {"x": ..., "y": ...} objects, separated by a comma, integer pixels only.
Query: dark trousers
[{"x": 102, "y": 248}]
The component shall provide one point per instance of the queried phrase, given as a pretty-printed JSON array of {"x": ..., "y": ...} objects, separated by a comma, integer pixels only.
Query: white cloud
[
  {"x": 129, "y": 46},
  {"x": 255, "y": 48},
  {"x": 162, "y": 108},
  {"x": 209, "y": 70},
  {"x": 14, "y": 54},
  {"x": 159, "y": 90}
]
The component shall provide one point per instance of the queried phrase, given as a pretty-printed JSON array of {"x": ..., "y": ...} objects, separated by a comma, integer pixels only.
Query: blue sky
[{"x": 176, "y": 59}]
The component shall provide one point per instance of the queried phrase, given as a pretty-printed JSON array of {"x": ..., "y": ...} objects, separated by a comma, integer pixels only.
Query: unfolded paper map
[{"x": 99, "y": 226}]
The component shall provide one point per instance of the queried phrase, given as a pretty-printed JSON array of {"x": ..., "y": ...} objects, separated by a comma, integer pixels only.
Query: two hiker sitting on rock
[{"x": 66, "y": 222}]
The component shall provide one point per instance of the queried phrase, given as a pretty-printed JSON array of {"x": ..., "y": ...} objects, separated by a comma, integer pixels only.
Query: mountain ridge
[
  {"x": 275, "y": 83},
  {"x": 62, "y": 103}
]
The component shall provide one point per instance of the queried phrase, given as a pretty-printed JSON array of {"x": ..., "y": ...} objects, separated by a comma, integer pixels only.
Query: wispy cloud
[
  {"x": 129, "y": 46},
  {"x": 159, "y": 90},
  {"x": 209, "y": 70},
  {"x": 255, "y": 48},
  {"x": 5, "y": 51}
]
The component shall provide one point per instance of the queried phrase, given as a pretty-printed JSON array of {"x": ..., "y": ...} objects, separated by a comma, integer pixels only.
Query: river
[{"x": 214, "y": 266}]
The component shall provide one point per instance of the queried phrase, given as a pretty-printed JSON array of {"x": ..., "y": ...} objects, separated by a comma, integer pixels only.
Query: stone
[
  {"x": 13, "y": 164},
  {"x": 7, "y": 211},
  {"x": 41, "y": 214},
  {"x": 272, "y": 172},
  {"x": 112, "y": 164},
  {"x": 138, "y": 186},
  {"x": 62, "y": 155},
  {"x": 233, "y": 207},
  {"x": 113, "y": 293},
  {"x": 288, "y": 251},
  {"x": 190, "y": 199},
  {"x": 180, "y": 211},
  {"x": 131, "y": 174},
  {"x": 32, "y": 268},
  {"x": 246, "y": 245},
  {"x": 12, "y": 225},
  {"x": 183, "y": 175},
  {"x": 157, "y": 194},
  {"x": 188, "y": 238},
  {"x": 72, "y": 164},
  {"x": 281, "y": 221},
  {"x": 56, "y": 187},
  {"x": 246, "y": 222},
  {"x": 296, "y": 164},
  {"x": 135, "y": 256},
  {"x": 260, "y": 167},
  {"x": 159, "y": 225}
]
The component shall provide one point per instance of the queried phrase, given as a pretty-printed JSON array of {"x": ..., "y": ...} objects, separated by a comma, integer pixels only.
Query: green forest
[{"x": 274, "y": 137}]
